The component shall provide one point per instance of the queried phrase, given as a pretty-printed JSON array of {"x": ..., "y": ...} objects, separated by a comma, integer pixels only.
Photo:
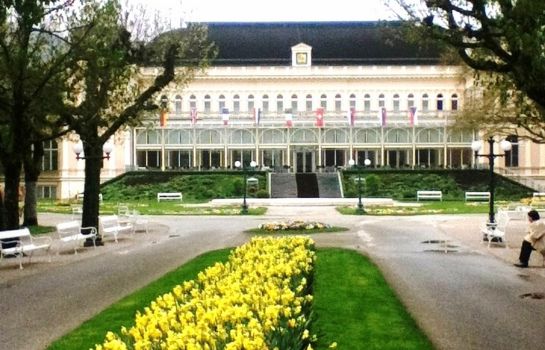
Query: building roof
[{"x": 333, "y": 43}]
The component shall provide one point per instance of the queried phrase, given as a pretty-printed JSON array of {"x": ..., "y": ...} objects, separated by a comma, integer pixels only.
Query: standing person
[{"x": 534, "y": 240}]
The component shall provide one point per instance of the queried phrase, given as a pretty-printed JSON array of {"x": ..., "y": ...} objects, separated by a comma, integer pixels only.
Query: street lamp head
[
  {"x": 367, "y": 162},
  {"x": 505, "y": 145},
  {"x": 107, "y": 148},
  {"x": 351, "y": 162},
  {"x": 476, "y": 145},
  {"x": 238, "y": 164},
  {"x": 253, "y": 163},
  {"x": 78, "y": 149}
]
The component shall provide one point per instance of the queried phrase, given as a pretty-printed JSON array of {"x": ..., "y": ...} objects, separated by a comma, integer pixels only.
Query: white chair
[{"x": 497, "y": 234}]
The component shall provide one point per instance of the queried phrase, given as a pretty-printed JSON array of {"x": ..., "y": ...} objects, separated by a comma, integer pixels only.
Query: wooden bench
[
  {"x": 79, "y": 197},
  {"x": 20, "y": 242},
  {"x": 70, "y": 234},
  {"x": 429, "y": 195},
  {"x": 169, "y": 196},
  {"x": 110, "y": 225},
  {"x": 473, "y": 196}
]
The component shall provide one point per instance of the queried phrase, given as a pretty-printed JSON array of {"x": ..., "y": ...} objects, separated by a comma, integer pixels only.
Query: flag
[
  {"x": 320, "y": 117},
  {"x": 382, "y": 116},
  {"x": 225, "y": 115},
  {"x": 193, "y": 115},
  {"x": 289, "y": 119},
  {"x": 413, "y": 116},
  {"x": 257, "y": 115},
  {"x": 351, "y": 116},
  {"x": 163, "y": 117}
]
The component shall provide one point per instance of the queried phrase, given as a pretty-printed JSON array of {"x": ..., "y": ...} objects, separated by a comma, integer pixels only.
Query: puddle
[
  {"x": 173, "y": 236},
  {"x": 439, "y": 251},
  {"x": 434, "y": 241}
]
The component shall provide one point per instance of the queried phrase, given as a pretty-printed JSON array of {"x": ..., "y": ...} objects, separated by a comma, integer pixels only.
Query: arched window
[
  {"x": 192, "y": 101},
  {"x": 265, "y": 103},
  {"x": 323, "y": 102},
  {"x": 396, "y": 103},
  {"x": 454, "y": 102},
  {"x": 425, "y": 103},
  {"x": 309, "y": 103},
  {"x": 381, "y": 101},
  {"x": 236, "y": 104},
  {"x": 178, "y": 104},
  {"x": 367, "y": 103},
  {"x": 294, "y": 105},
  {"x": 410, "y": 101},
  {"x": 279, "y": 104},
  {"x": 207, "y": 104},
  {"x": 440, "y": 102},
  {"x": 250, "y": 103},
  {"x": 352, "y": 101},
  {"x": 221, "y": 103},
  {"x": 338, "y": 103}
]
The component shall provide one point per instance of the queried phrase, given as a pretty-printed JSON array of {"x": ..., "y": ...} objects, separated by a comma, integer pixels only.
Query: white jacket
[{"x": 536, "y": 235}]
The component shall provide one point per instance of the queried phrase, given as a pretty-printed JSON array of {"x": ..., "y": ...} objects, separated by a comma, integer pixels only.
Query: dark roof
[{"x": 333, "y": 43}]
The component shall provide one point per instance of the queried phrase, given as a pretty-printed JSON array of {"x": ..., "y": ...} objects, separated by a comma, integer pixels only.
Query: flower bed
[
  {"x": 259, "y": 299},
  {"x": 292, "y": 225}
]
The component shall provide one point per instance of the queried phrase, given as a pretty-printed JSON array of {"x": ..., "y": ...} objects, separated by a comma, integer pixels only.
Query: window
[
  {"x": 440, "y": 102},
  {"x": 148, "y": 159},
  {"x": 47, "y": 192},
  {"x": 265, "y": 103},
  {"x": 236, "y": 104},
  {"x": 148, "y": 137},
  {"x": 239, "y": 137},
  {"x": 454, "y": 102},
  {"x": 50, "y": 159},
  {"x": 207, "y": 104},
  {"x": 352, "y": 101},
  {"x": 221, "y": 103},
  {"x": 381, "y": 101},
  {"x": 309, "y": 103},
  {"x": 425, "y": 103},
  {"x": 396, "y": 103},
  {"x": 338, "y": 103},
  {"x": 367, "y": 103},
  {"x": 179, "y": 159},
  {"x": 178, "y": 105},
  {"x": 272, "y": 136},
  {"x": 512, "y": 156},
  {"x": 410, "y": 101},
  {"x": 192, "y": 101},
  {"x": 279, "y": 104},
  {"x": 323, "y": 102},
  {"x": 209, "y": 137},
  {"x": 178, "y": 137},
  {"x": 294, "y": 103},
  {"x": 336, "y": 136},
  {"x": 251, "y": 103}
]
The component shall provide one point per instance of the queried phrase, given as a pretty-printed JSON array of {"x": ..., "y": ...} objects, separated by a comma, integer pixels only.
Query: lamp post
[
  {"x": 476, "y": 147},
  {"x": 353, "y": 164},
  {"x": 239, "y": 165},
  {"x": 107, "y": 148}
]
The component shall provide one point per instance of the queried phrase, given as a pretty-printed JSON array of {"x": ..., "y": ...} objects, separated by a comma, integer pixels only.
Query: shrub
[{"x": 262, "y": 194}]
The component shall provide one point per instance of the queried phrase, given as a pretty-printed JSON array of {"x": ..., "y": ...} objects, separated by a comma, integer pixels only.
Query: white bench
[
  {"x": 70, "y": 233},
  {"x": 169, "y": 196},
  {"x": 429, "y": 195},
  {"x": 79, "y": 197},
  {"x": 477, "y": 196},
  {"x": 110, "y": 225},
  {"x": 21, "y": 242}
]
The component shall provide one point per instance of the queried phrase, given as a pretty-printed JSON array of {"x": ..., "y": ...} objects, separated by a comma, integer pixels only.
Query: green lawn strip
[
  {"x": 40, "y": 230},
  {"x": 425, "y": 208},
  {"x": 355, "y": 307},
  {"x": 260, "y": 231},
  {"x": 122, "y": 313}
]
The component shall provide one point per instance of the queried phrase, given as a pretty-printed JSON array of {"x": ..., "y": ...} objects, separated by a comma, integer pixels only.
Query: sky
[{"x": 270, "y": 10}]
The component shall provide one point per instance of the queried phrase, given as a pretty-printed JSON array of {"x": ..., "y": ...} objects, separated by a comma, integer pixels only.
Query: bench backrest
[
  {"x": 429, "y": 193},
  {"x": 169, "y": 195},
  {"x": 69, "y": 228},
  {"x": 109, "y": 220},
  {"x": 19, "y": 233},
  {"x": 477, "y": 194}
]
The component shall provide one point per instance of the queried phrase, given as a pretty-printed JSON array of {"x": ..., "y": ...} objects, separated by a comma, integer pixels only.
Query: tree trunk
[
  {"x": 12, "y": 179},
  {"x": 33, "y": 166},
  {"x": 93, "y": 165}
]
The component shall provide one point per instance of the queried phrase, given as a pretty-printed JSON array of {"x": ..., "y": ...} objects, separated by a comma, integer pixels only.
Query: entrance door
[{"x": 304, "y": 161}]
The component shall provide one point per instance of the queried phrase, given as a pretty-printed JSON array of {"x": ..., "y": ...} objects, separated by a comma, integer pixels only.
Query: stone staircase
[{"x": 305, "y": 185}]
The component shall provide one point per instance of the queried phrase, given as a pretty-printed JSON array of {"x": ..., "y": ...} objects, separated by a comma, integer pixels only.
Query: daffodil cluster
[
  {"x": 292, "y": 225},
  {"x": 259, "y": 299}
]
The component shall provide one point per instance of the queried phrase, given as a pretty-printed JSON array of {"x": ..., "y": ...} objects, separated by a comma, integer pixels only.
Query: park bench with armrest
[
  {"x": 169, "y": 196},
  {"x": 429, "y": 195},
  {"x": 20, "y": 242},
  {"x": 70, "y": 234},
  {"x": 110, "y": 225}
]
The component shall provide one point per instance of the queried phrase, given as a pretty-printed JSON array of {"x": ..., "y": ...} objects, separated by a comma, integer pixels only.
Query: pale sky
[{"x": 271, "y": 10}]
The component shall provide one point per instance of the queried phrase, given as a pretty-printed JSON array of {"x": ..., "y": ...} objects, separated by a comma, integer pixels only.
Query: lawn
[
  {"x": 424, "y": 208},
  {"x": 353, "y": 306}
]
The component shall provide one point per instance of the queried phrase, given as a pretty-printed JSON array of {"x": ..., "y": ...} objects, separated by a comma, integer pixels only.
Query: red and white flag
[
  {"x": 225, "y": 115},
  {"x": 413, "y": 116},
  {"x": 193, "y": 114},
  {"x": 351, "y": 116},
  {"x": 382, "y": 116},
  {"x": 320, "y": 117},
  {"x": 289, "y": 119}
]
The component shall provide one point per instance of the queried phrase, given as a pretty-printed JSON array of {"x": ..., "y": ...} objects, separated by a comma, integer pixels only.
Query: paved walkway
[{"x": 467, "y": 298}]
